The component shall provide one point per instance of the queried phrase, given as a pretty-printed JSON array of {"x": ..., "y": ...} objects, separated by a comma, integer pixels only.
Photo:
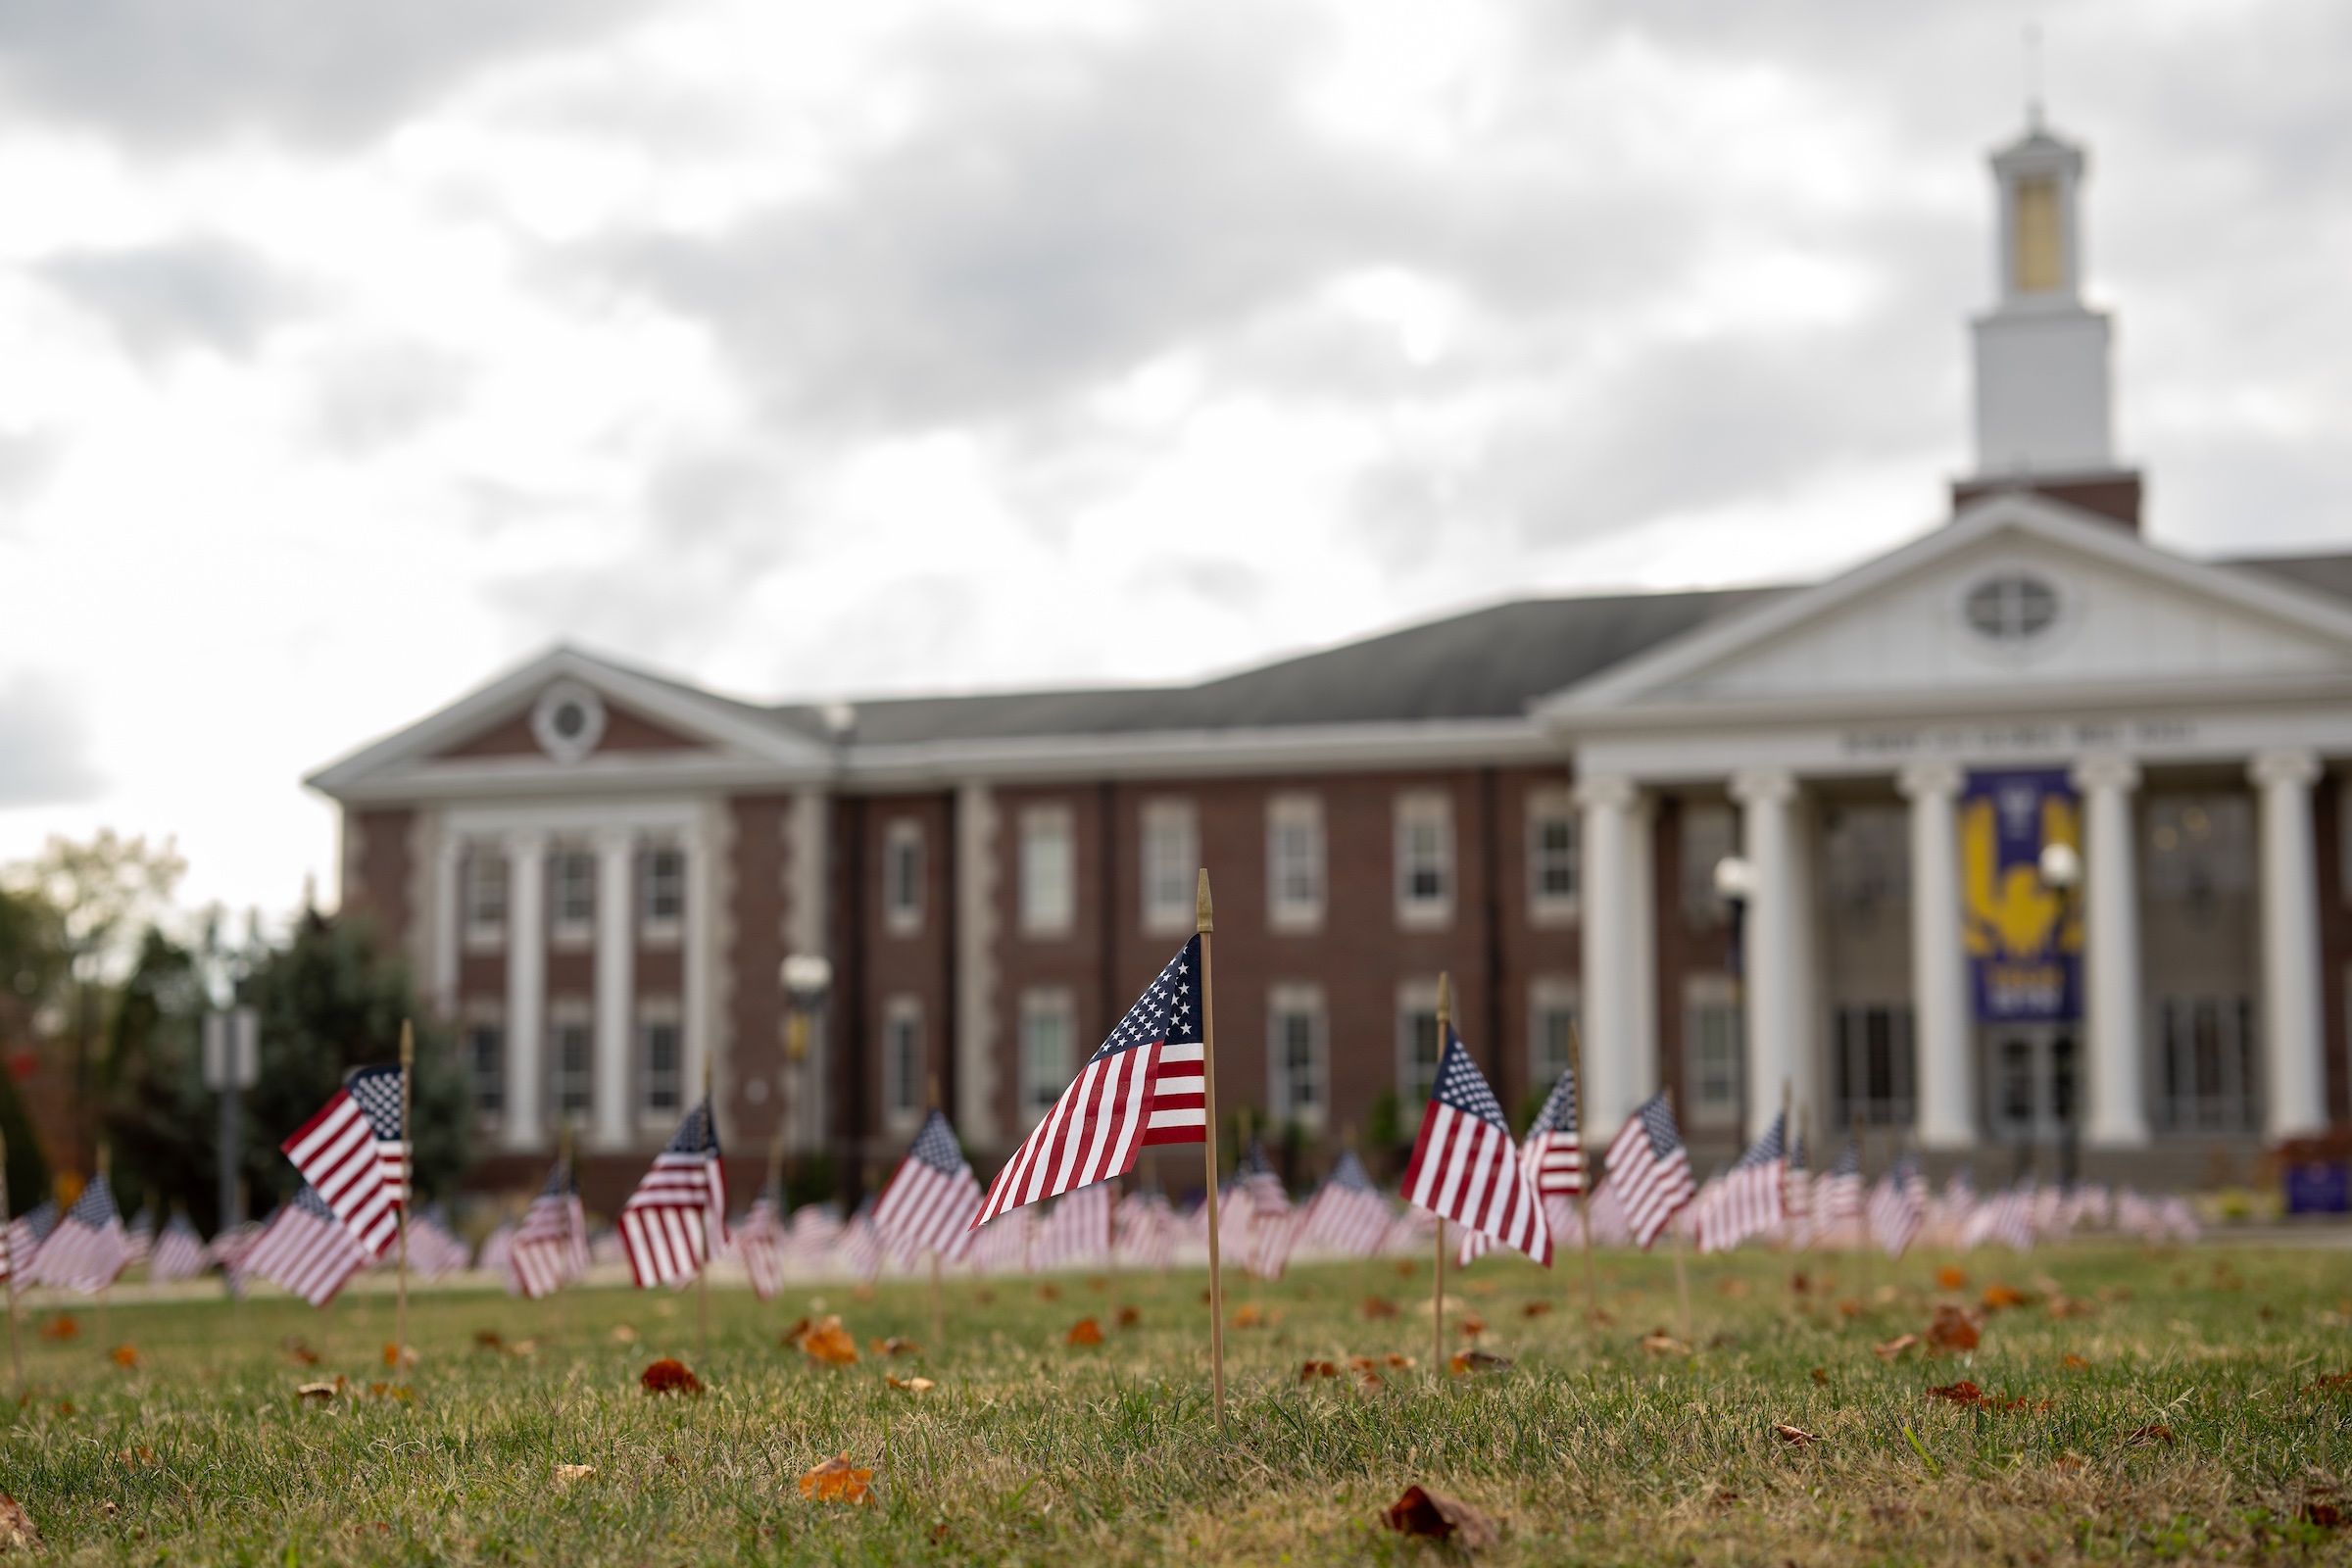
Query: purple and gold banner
[{"x": 2024, "y": 937}]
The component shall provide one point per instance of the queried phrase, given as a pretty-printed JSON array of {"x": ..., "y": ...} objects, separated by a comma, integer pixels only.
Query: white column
[
  {"x": 1804, "y": 953},
  {"x": 526, "y": 988},
  {"x": 1642, "y": 947},
  {"x": 448, "y": 920},
  {"x": 1607, "y": 916},
  {"x": 1770, "y": 979},
  {"x": 1946, "y": 1078},
  {"x": 2118, "y": 1116},
  {"x": 616, "y": 986},
  {"x": 2295, "y": 1093},
  {"x": 975, "y": 963},
  {"x": 698, "y": 957}
]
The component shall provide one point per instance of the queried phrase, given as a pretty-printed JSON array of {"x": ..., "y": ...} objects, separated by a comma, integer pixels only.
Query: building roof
[{"x": 1487, "y": 663}]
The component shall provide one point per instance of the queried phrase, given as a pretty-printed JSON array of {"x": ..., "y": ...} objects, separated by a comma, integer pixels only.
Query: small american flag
[
  {"x": 1273, "y": 1221},
  {"x": 1003, "y": 1244},
  {"x": 87, "y": 1250},
  {"x": 1143, "y": 1085},
  {"x": 433, "y": 1248},
  {"x": 178, "y": 1254},
  {"x": 1898, "y": 1207},
  {"x": 549, "y": 1249},
  {"x": 353, "y": 1154},
  {"x": 306, "y": 1247},
  {"x": 1796, "y": 1189},
  {"x": 859, "y": 1249},
  {"x": 25, "y": 1234},
  {"x": 139, "y": 1236},
  {"x": 759, "y": 1241},
  {"x": 680, "y": 1206},
  {"x": 1841, "y": 1190},
  {"x": 1555, "y": 1152},
  {"x": 932, "y": 1196},
  {"x": 1144, "y": 1231},
  {"x": 1077, "y": 1232},
  {"x": 1649, "y": 1171},
  {"x": 1748, "y": 1201},
  {"x": 1464, "y": 1166},
  {"x": 2013, "y": 1218},
  {"x": 1347, "y": 1214}
]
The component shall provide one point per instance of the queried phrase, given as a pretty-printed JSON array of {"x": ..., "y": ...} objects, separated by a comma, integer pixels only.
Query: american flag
[
  {"x": 816, "y": 1228},
  {"x": 680, "y": 1207},
  {"x": 1409, "y": 1234},
  {"x": 1273, "y": 1222},
  {"x": 307, "y": 1249},
  {"x": 859, "y": 1249},
  {"x": 759, "y": 1242},
  {"x": 1796, "y": 1192},
  {"x": 1555, "y": 1152},
  {"x": 1748, "y": 1199},
  {"x": 352, "y": 1151},
  {"x": 1002, "y": 1246},
  {"x": 229, "y": 1249},
  {"x": 2012, "y": 1223},
  {"x": 932, "y": 1196},
  {"x": 1464, "y": 1166},
  {"x": 1347, "y": 1214},
  {"x": 87, "y": 1250},
  {"x": 1144, "y": 1085},
  {"x": 549, "y": 1249},
  {"x": 1649, "y": 1171},
  {"x": 1839, "y": 1193},
  {"x": 1898, "y": 1207},
  {"x": 1078, "y": 1229},
  {"x": 178, "y": 1254},
  {"x": 25, "y": 1234},
  {"x": 139, "y": 1236},
  {"x": 433, "y": 1248},
  {"x": 1144, "y": 1231}
]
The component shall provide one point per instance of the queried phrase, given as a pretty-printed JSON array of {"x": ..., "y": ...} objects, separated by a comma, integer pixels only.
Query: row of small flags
[{"x": 1143, "y": 1086}]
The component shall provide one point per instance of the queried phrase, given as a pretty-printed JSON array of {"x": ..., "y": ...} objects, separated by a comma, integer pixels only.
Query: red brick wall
[
  {"x": 2335, "y": 939},
  {"x": 915, "y": 963},
  {"x": 752, "y": 1033},
  {"x": 376, "y": 877}
]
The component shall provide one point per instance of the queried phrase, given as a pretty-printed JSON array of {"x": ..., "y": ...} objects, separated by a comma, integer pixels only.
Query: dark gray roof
[
  {"x": 1487, "y": 663},
  {"x": 2328, "y": 574}
]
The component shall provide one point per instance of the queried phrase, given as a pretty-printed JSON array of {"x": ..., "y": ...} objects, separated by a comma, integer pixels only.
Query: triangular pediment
[
  {"x": 2015, "y": 595},
  {"x": 570, "y": 720}
]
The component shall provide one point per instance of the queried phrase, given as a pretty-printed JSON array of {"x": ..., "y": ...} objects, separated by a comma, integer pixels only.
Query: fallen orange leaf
[
  {"x": 1660, "y": 1343},
  {"x": 1953, "y": 1330},
  {"x": 60, "y": 1327},
  {"x": 670, "y": 1375},
  {"x": 794, "y": 1335},
  {"x": 1440, "y": 1518},
  {"x": 1950, "y": 1278},
  {"x": 566, "y": 1474},
  {"x": 1085, "y": 1331},
  {"x": 1318, "y": 1369},
  {"x": 624, "y": 1334},
  {"x": 910, "y": 1385},
  {"x": 829, "y": 1342},
  {"x": 1535, "y": 1309},
  {"x": 1378, "y": 1306},
  {"x": 1128, "y": 1317},
  {"x": 2155, "y": 1432},
  {"x": 16, "y": 1526},
  {"x": 1998, "y": 1297},
  {"x": 1895, "y": 1346},
  {"x": 895, "y": 1346},
  {"x": 1472, "y": 1325},
  {"x": 125, "y": 1355},
  {"x": 2074, "y": 1363},
  {"x": 1249, "y": 1318},
  {"x": 1963, "y": 1391},
  {"x": 1049, "y": 1293},
  {"x": 836, "y": 1481},
  {"x": 1465, "y": 1362}
]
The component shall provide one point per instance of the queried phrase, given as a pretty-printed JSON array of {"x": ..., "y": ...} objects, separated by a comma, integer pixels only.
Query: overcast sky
[{"x": 352, "y": 350}]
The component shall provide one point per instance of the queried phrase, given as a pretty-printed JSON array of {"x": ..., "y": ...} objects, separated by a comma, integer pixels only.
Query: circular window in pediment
[
  {"x": 2012, "y": 608},
  {"x": 567, "y": 720}
]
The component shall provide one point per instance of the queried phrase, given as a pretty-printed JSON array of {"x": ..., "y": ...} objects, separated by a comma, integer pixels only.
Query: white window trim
[
  {"x": 1177, "y": 914},
  {"x": 484, "y": 936},
  {"x": 1545, "y": 805},
  {"x": 1712, "y": 990},
  {"x": 1035, "y": 1002},
  {"x": 653, "y": 1010},
  {"x": 569, "y": 1013},
  {"x": 1547, "y": 993},
  {"x": 1037, "y": 821},
  {"x": 1289, "y": 916},
  {"x": 1284, "y": 1000},
  {"x": 1413, "y": 996},
  {"x": 668, "y": 933},
  {"x": 901, "y": 921},
  {"x": 560, "y": 932},
  {"x": 1416, "y": 807},
  {"x": 897, "y": 1011}
]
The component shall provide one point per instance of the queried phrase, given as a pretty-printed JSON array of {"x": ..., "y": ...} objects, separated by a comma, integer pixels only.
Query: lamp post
[
  {"x": 807, "y": 978},
  {"x": 2061, "y": 869},
  {"x": 1736, "y": 884}
]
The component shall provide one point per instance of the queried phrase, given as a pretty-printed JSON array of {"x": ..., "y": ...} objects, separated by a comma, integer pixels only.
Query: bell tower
[{"x": 2044, "y": 405}]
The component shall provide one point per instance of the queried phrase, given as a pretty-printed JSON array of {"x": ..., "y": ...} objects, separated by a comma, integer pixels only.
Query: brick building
[{"x": 601, "y": 872}]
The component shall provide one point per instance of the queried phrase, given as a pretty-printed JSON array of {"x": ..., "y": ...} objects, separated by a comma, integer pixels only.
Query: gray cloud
[
  {"x": 158, "y": 71},
  {"x": 45, "y": 748},
  {"x": 25, "y": 459},
  {"x": 376, "y": 395},
  {"x": 161, "y": 298}
]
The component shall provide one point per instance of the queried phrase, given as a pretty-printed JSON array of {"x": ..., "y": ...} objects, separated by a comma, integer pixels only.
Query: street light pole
[{"x": 231, "y": 1065}]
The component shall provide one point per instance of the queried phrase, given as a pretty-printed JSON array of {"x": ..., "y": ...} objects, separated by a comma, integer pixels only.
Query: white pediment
[
  {"x": 2015, "y": 597},
  {"x": 571, "y": 721}
]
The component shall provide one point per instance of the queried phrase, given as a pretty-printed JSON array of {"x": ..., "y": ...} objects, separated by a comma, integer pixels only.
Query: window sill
[
  {"x": 1425, "y": 917},
  {"x": 662, "y": 934},
  {"x": 1295, "y": 923},
  {"x": 1551, "y": 913}
]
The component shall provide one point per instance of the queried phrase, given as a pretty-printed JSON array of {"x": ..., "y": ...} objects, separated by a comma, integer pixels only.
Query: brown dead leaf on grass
[
  {"x": 1379, "y": 1306},
  {"x": 1468, "y": 1361},
  {"x": 1127, "y": 1317},
  {"x": 2153, "y": 1433},
  {"x": 624, "y": 1334},
  {"x": 894, "y": 1346},
  {"x": 302, "y": 1354},
  {"x": 318, "y": 1392},
  {"x": 836, "y": 1481},
  {"x": 1896, "y": 1347},
  {"x": 909, "y": 1385},
  {"x": 1470, "y": 1326},
  {"x": 1795, "y": 1437},
  {"x": 1438, "y": 1517},
  {"x": 670, "y": 1375},
  {"x": 2072, "y": 1307},
  {"x": 16, "y": 1527},
  {"x": 1313, "y": 1370},
  {"x": 492, "y": 1340},
  {"x": 125, "y": 1356},
  {"x": 1657, "y": 1341},
  {"x": 1954, "y": 1329},
  {"x": 568, "y": 1474},
  {"x": 395, "y": 1356},
  {"x": 1999, "y": 1298},
  {"x": 60, "y": 1327},
  {"x": 1085, "y": 1331},
  {"x": 1049, "y": 1293},
  {"x": 1250, "y": 1317},
  {"x": 2073, "y": 1363},
  {"x": 1733, "y": 1286},
  {"x": 1948, "y": 1278},
  {"x": 1535, "y": 1309},
  {"x": 829, "y": 1342}
]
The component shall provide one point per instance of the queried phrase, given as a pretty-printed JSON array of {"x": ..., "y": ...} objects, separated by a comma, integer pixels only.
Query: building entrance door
[{"x": 2032, "y": 1083}]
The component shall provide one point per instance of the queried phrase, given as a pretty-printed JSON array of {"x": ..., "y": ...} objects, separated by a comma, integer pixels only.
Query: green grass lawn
[{"x": 1587, "y": 1447}]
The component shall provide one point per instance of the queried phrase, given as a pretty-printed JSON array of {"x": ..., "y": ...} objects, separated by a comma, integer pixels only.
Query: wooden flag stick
[
  {"x": 8, "y": 1251},
  {"x": 1584, "y": 1183},
  {"x": 776, "y": 1201},
  {"x": 1437, "y": 1297},
  {"x": 1804, "y": 1135},
  {"x": 1682, "y": 1268},
  {"x": 1205, "y": 921},
  {"x": 1787, "y": 1132},
  {"x": 106, "y": 1291},
  {"x": 939, "y": 1301},
  {"x": 408, "y": 1186},
  {"x": 701, "y": 1275}
]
